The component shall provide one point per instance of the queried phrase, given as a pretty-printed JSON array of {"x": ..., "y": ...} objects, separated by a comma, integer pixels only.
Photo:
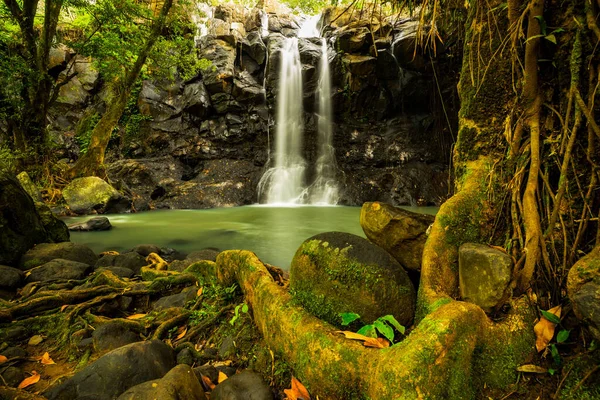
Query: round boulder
[
  {"x": 399, "y": 232},
  {"x": 92, "y": 224},
  {"x": 338, "y": 272},
  {"x": 44, "y": 252},
  {"x": 91, "y": 194},
  {"x": 245, "y": 385},
  {"x": 583, "y": 288}
]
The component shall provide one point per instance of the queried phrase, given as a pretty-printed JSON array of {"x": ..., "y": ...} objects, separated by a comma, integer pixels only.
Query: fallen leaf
[
  {"x": 34, "y": 378},
  {"x": 225, "y": 363},
  {"x": 222, "y": 377},
  {"x": 3, "y": 359},
  {"x": 182, "y": 332},
  {"x": 63, "y": 307},
  {"x": 378, "y": 343},
  {"x": 544, "y": 329},
  {"x": 109, "y": 253},
  {"x": 35, "y": 340},
  {"x": 297, "y": 391},
  {"x": 46, "y": 359},
  {"x": 169, "y": 342},
  {"x": 534, "y": 369},
  {"x": 199, "y": 292},
  {"x": 207, "y": 382},
  {"x": 136, "y": 316}
]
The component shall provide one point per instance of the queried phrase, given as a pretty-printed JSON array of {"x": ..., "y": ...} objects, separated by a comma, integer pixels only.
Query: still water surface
[{"x": 273, "y": 233}]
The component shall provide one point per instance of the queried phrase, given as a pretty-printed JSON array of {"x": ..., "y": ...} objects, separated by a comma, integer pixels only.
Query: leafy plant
[
  {"x": 386, "y": 326},
  {"x": 240, "y": 307}
]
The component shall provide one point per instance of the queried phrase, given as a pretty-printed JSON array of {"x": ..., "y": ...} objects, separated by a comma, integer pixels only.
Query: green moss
[
  {"x": 439, "y": 303},
  {"x": 579, "y": 368}
]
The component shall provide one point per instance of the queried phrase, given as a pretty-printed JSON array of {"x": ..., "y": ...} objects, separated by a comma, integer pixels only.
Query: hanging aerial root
[{"x": 441, "y": 359}]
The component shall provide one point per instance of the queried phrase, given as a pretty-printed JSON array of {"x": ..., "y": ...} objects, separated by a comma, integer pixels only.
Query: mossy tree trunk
[{"x": 92, "y": 162}]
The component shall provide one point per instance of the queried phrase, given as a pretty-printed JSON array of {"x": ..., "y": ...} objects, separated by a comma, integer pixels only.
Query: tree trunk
[{"x": 91, "y": 163}]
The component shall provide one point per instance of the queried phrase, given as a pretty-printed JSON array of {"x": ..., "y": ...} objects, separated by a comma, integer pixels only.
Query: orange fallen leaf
[
  {"x": 222, "y": 377},
  {"x": 3, "y": 359},
  {"x": 182, "y": 332},
  {"x": 208, "y": 382},
  {"x": 46, "y": 359},
  {"x": 544, "y": 329},
  {"x": 297, "y": 391},
  {"x": 199, "y": 292},
  {"x": 63, "y": 307},
  {"x": 34, "y": 378},
  {"x": 136, "y": 316},
  {"x": 378, "y": 343}
]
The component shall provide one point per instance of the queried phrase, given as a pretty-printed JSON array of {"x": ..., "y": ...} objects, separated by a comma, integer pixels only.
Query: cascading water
[
  {"x": 284, "y": 182},
  {"x": 325, "y": 189}
]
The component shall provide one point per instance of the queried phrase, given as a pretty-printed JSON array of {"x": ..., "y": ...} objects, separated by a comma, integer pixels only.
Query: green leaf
[
  {"x": 392, "y": 321},
  {"x": 368, "y": 330},
  {"x": 550, "y": 317},
  {"x": 550, "y": 38},
  {"x": 348, "y": 317},
  {"x": 542, "y": 22},
  {"x": 551, "y": 371},
  {"x": 562, "y": 336},
  {"x": 555, "y": 354},
  {"x": 559, "y": 30},
  {"x": 245, "y": 308},
  {"x": 384, "y": 329}
]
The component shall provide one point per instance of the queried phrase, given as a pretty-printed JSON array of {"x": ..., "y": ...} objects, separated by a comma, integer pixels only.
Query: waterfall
[
  {"x": 325, "y": 188},
  {"x": 264, "y": 24},
  {"x": 284, "y": 182}
]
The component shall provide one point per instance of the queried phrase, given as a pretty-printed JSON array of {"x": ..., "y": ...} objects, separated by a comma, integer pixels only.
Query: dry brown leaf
[
  {"x": 297, "y": 391},
  {"x": 378, "y": 343},
  {"x": 544, "y": 329},
  {"x": 46, "y": 359},
  {"x": 353, "y": 335},
  {"x": 136, "y": 316},
  {"x": 182, "y": 332},
  {"x": 208, "y": 382},
  {"x": 34, "y": 378},
  {"x": 199, "y": 292},
  {"x": 63, "y": 307},
  {"x": 222, "y": 377},
  {"x": 534, "y": 369},
  {"x": 3, "y": 359},
  {"x": 225, "y": 363},
  {"x": 35, "y": 340}
]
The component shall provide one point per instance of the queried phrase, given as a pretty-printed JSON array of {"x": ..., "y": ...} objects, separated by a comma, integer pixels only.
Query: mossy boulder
[
  {"x": 338, "y": 272},
  {"x": 180, "y": 383},
  {"x": 583, "y": 288},
  {"x": 56, "y": 229},
  {"x": 91, "y": 194},
  {"x": 29, "y": 186},
  {"x": 44, "y": 252},
  {"x": 399, "y": 232},
  {"x": 21, "y": 225},
  {"x": 58, "y": 269}
]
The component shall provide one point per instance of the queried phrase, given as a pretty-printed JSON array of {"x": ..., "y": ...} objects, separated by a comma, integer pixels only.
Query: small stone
[
  {"x": 176, "y": 300},
  {"x": 145, "y": 249},
  {"x": 13, "y": 334},
  {"x": 13, "y": 376},
  {"x": 132, "y": 261},
  {"x": 227, "y": 348},
  {"x": 92, "y": 224},
  {"x": 15, "y": 351},
  {"x": 185, "y": 356},
  {"x": 484, "y": 274}
]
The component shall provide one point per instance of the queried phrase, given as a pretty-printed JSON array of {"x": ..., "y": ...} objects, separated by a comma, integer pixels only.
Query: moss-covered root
[
  {"x": 439, "y": 360},
  {"x": 458, "y": 221}
]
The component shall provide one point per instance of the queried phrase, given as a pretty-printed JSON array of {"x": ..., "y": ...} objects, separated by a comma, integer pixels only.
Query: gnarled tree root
[{"x": 453, "y": 351}]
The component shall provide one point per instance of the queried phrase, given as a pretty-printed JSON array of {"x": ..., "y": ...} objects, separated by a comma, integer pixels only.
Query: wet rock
[
  {"x": 583, "y": 288},
  {"x": 22, "y": 226},
  {"x": 399, "y": 232},
  {"x": 12, "y": 352},
  {"x": 144, "y": 250},
  {"x": 180, "y": 383},
  {"x": 12, "y": 376},
  {"x": 245, "y": 385},
  {"x": 132, "y": 261},
  {"x": 92, "y": 224},
  {"x": 30, "y": 187},
  {"x": 254, "y": 46},
  {"x": 58, "y": 269},
  {"x": 115, "y": 372},
  {"x": 92, "y": 194},
  {"x": 359, "y": 65},
  {"x": 13, "y": 334},
  {"x": 218, "y": 78},
  {"x": 484, "y": 274},
  {"x": 10, "y": 278},
  {"x": 337, "y": 272},
  {"x": 176, "y": 300},
  {"x": 113, "y": 335},
  {"x": 44, "y": 252},
  {"x": 354, "y": 40},
  {"x": 185, "y": 356}
]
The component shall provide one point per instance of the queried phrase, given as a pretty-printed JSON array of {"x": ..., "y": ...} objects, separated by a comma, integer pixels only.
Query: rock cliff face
[{"x": 205, "y": 142}]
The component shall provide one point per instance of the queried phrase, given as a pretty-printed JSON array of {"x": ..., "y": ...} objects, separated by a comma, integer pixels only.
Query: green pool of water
[{"x": 273, "y": 233}]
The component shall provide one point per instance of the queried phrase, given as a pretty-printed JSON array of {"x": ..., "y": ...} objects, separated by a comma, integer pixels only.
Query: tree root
[
  {"x": 452, "y": 351},
  {"x": 18, "y": 394},
  {"x": 170, "y": 323}
]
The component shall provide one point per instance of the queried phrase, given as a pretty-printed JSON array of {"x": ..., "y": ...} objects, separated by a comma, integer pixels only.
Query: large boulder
[
  {"x": 44, "y": 252},
  {"x": 484, "y": 274},
  {"x": 29, "y": 186},
  {"x": 10, "y": 278},
  {"x": 338, "y": 272},
  {"x": 245, "y": 385},
  {"x": 22, "y": 226},
  {"x": 583, "y": 288},
  {"x": 92, "y": 194},
  {"x": 219, "y": 76},
  {"x": 180, "y": 383},
  {"x": 399, "y": 232},
  {"x": 58, "y": 269},
  {"x": 130, "y": 260},
  {"x": 115, "y": 372}
]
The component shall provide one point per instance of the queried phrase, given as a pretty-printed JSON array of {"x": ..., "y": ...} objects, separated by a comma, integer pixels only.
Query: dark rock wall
[{"x": 204, "y": 143}]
